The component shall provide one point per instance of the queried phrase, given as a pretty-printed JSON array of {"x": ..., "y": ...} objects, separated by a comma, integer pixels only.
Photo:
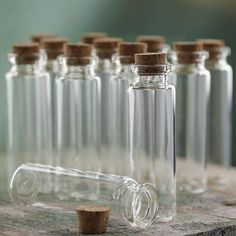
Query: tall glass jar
[
  {"x": 122, "y": 78},
  {"x": 78, "y": 111},
  {"x": 105, "y": 49},
  {"x": 152, "y": 127},
  {"x": 220, "y": 107},
  {"x": 28, "y": 108},
  {"x": 192, "y": 98}
]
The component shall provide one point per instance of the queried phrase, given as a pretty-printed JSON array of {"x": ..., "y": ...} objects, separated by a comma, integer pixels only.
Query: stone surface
[{"x": 211, "y": 213}]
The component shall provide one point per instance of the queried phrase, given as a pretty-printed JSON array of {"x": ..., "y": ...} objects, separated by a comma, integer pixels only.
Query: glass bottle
[
  {"x": 78, "y": 110},
  {"x": 152, "y": 129},
  {"x": 28, "y": 108},
  {"x": 120, "y": 82},
  {"x": 52, "y": 48},
  {"x": 105, "y": 49},
  {"x": 154, "y": 43},
  {"x": 134, "y": 203},
  {"x": 220, "y": 107},
  {"x": 192, "y": 98}
]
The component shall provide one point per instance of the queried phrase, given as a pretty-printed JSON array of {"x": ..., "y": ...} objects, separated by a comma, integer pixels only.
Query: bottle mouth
[
  {"x": 24, "y": 187},
  {"x": 141, "y": 205},
  {"x": 149, "y": 70}
]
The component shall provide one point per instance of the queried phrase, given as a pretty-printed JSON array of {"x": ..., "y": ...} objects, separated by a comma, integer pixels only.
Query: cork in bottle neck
[
  {"x": 78, "y": 54},
  {"x": 151, "y": 64},
  {"x": 26, "y": 53},
  {"x": 37, "y": 38},
  {"x": 215, "y": 48},
  {"x": 106, "y": 47},
  {"x": 154, "y": 42},
  {"x": 53, "y": 47},
  {"x": 189, "y": 52},
  {"x": 127, "y": 50},
  {"x": 92, "y": 36}
]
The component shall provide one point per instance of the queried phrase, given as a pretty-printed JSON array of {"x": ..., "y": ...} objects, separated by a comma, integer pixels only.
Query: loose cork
[
  {"x": 127, "y": 51},
  {"x": 107, "y": 47},
  {"x": 212, "y": 46},
  {"x": 92, "y": 36},
  {"x": 154, "y": 42},
  {"x": 78, "y": 53},
  {"x": 53, "y": 46},
  {"x": 187, "y": 51},
  {"x": 92, "y": 219},
  {"x": 151, "y": 63},
  {"x": 26, "y": 53},
  {"x": 37, "y": 38}
]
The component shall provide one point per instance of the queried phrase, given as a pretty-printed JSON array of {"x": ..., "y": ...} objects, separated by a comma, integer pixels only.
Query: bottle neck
[{"x": 135, "y": 203}]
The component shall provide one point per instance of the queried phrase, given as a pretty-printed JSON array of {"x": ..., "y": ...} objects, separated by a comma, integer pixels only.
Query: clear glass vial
[
  {"x": 29, "y": 126},
  {"x": 136, "y": 204},
  {"x": 220, "y": 106},
  {"x": 192, "y": 98},
  {"x": 78, "y": 110},
  {"x": 152, "y": 129},
  {"x": 105, "y": 49},
  {"x": 52, "y": 49},
  {"x": 122, "y": 78}
]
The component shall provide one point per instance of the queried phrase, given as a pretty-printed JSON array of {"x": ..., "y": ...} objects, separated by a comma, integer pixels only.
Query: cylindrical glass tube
[
  {"x": 192, "y": 98},
  {"x": 220, "y": 112},
  {"x": 135, "y": 203},
  {"x": 78, "y": 112},
  {"x": 28, "y": 109},
  {"x": 152, "y": 131}
]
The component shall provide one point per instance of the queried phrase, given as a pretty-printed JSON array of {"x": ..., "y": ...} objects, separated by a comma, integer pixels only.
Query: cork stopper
[
  {"x": 37, "y": 38},
  {"x": 107, "y": 47},
  {"x": 92, "y": 219},
  {"x": 92, "y": 36},
  {"x": 53, "y": 47},
  {"x": 188, "y": 52},
  {"x": 127, "y": 51},
  {"x": 151, "y": 63},
  {"x": 78, "y": 53},
  {"x": 154, "y": 42},
  {"x": 26, "y": 53},
  {"x": 212, "y": 46}
]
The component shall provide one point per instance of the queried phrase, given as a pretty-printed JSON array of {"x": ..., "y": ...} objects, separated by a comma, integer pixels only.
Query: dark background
[{"x": 176, "y": 19}]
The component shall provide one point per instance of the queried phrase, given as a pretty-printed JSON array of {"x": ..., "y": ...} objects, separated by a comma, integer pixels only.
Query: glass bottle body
[
  {"x": 220, "y": 107},
  {"x": 192, "y": 98},
  {"x": 78, "y": 121},
  {"x": 104, "y": 70},
  {"x": 135, "y": 203},
  {"x": 29, "y": 119},
  {"x": 152, "y": 139},
  {"x": 120, "y": 122}
]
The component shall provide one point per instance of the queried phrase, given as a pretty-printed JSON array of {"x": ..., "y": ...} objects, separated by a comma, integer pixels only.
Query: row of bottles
[{"x": 120, "y": 108}]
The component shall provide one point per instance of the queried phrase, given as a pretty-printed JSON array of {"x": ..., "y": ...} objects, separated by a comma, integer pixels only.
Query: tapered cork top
[
  {"x": 26, "y": 53},
  {"x": 92, "y": 219},
  {"x": 53, "y": 46},
  {"x": 78, "y": 53},
  {"x": 128, "y": 49},
  {"x": 39, "y": 37},
  {"x": 92, "y": 36},
  {"x": 151, "y": 63},
  {"x": 150, "y": 59},
  {"x": 154, "y": 42},
  {"x": 187, "y": 46},
  {"x": 211, "y": 44}
]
